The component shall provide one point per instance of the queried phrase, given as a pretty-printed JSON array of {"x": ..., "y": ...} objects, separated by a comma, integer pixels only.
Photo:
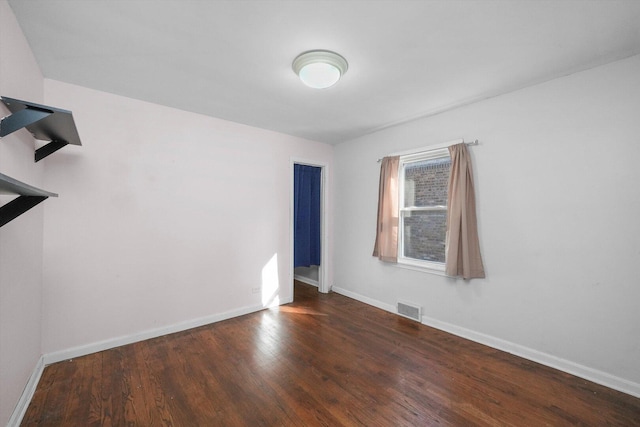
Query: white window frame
[{"x": 406, "y": 262}]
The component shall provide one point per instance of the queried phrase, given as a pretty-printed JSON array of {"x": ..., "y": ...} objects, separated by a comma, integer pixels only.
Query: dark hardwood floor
[{"x": 323, "y": 360}]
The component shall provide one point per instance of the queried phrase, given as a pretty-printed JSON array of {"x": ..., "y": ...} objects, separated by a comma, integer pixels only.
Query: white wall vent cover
[{"x": 410, "y": 311}]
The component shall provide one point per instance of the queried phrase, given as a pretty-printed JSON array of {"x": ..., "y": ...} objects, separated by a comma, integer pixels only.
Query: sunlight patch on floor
[{"x": 299, "y": 310}]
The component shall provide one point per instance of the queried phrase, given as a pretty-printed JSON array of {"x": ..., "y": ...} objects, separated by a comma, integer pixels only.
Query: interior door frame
[{"x": 323, "y": 271}]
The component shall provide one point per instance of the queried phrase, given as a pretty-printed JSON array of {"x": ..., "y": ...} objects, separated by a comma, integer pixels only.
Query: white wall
[
  {"x": 558, "y": 205},
  {"x": 309, "y": 275},
  {"x": 163, "y": 217},
  {"x": 20, "y": 239}
]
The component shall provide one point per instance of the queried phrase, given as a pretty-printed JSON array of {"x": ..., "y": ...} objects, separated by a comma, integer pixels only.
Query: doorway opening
[{"x": 308, "y": 224}]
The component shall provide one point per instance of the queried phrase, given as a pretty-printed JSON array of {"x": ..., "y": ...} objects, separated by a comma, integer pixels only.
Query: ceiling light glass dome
[{"x": 320, "y": 69}]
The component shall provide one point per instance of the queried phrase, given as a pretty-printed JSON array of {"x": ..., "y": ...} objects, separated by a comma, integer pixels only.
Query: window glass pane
[
  {"x": 425, "y": 182},
  {"x": 424, "y": 235}
]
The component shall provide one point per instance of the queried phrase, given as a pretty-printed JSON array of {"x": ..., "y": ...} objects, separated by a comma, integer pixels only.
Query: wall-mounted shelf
[
  {"x": 28, "y": 197},
  {"x": 45, "y": 123}
]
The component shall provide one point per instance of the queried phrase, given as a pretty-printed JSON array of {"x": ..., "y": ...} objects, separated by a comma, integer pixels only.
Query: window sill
[{"x": 421, "y": 267}]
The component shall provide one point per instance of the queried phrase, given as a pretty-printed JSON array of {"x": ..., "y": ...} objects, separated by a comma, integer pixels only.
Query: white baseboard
[
  {"x": 27, "y": 395},
  {"x": 306, "y": 280},
  {"x": 366, "y": 300},
  {"x": 95, "y": 347},
  {"x": 546, "y": 359},
  {"x": 564, "y": 365}
]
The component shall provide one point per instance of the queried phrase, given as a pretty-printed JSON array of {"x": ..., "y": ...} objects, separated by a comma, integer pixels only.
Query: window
[
  {"x": 423, "y": 187},
  {"x": 423, "y": 220}
]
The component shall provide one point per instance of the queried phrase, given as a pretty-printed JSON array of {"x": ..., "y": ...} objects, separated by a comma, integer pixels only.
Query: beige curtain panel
[
  {"x": 386, "y": 246},
  {"x": 463, "y": 247}
]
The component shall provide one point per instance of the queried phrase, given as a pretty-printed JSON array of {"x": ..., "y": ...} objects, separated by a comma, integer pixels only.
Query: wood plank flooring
[{"x": 325, "y": 360}]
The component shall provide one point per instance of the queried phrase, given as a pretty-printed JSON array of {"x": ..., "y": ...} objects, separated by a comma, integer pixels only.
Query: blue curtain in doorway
[{"x": 306, "y": 215}]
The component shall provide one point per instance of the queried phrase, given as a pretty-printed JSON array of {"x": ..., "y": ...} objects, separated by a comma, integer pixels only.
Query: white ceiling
[{"x": 407, "y": 59}]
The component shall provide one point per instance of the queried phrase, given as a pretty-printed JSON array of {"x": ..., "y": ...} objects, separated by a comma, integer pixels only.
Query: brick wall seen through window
[{"x": 425, "y": 184}]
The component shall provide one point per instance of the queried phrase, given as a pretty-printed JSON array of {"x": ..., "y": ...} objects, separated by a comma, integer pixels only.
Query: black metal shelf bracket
[
  {"x": 50, "y": 148},
  {"x": 28, "y": 197},
  {"x": 45, "y": 123},
  {"x": 17, "y": 207}
]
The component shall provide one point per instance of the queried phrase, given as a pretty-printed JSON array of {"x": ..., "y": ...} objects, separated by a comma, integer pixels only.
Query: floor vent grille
[{"x": 410, "y": 311}]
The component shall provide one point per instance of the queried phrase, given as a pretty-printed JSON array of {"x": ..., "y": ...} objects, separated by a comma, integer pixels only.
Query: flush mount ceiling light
[{"x": 320, "y": 69}]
